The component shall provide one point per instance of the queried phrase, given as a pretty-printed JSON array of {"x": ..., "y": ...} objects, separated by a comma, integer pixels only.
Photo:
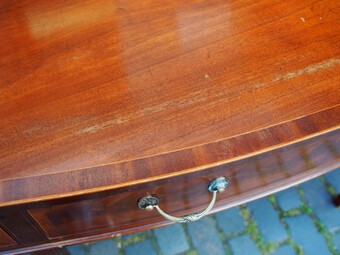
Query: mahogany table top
[{"x": 97, "y": 94}]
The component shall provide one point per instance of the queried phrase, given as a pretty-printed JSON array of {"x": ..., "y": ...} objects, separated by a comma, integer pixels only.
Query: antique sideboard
[{"x": 109, "y": 109}]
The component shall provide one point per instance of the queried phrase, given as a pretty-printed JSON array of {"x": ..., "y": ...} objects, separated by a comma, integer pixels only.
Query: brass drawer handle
[{"x": 151, "y": 201}]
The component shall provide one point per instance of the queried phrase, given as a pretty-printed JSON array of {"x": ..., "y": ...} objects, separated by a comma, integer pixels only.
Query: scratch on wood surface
[
  {"x": 200, "y": 97},
  {"x": 309, "y": 69},
  {"x": 190, "y": 99},
  {"x": 156, "y": 80},
  {"x": 103, "y": 125}
]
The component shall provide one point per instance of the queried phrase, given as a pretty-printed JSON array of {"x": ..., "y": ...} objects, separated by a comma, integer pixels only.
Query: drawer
[
  {"x": 116, "y": 211},
  {"x": 120, "y": 211},
  {"x": 6, "y": 240}
]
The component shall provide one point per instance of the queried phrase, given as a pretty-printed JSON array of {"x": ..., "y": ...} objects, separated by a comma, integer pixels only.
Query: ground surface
[{"x": 297, "y": 221}]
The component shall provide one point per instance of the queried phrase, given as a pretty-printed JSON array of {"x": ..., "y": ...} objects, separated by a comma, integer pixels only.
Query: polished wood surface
[
  {"x": 90, "y": 87},
  {"x": 103, "y": 102},
  {"x": 114, "y": 212},
  {"x": 125, "y": 174},
  {"x": 249, "y": 179},
  {"x": 5, "y": 239}
]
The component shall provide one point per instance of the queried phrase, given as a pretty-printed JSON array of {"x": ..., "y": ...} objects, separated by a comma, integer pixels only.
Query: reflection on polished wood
[
  {"x": 249, "y": 178},
  {"x": 103, "y": 101},
  {"x": 125, "y": 174}
]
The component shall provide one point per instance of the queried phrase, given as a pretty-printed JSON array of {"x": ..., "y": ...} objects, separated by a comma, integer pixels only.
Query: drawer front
[
  {"x": 117, "y": 211},
  {"x": 120, "y": 211},
  {"x": 6, "y": 240}
]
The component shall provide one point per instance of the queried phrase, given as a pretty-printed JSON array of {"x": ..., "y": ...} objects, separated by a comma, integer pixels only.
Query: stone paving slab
[
  {"x": 285, "y": 250},
  {"x": 242, "y": 245},
  {"x": 299, "y": 221},
  {"x": 268, "y": 220},
  {"x": 230, "y": 221},
  {"x": 333, "y": 179},
  {"x": 145, "y": 247},
  {"x": 205, "y": 237},
  {"x": 336, "y": 241},
  {"x": 305, "y": 234},
  {"x": 321, "y": 202},
  {"x": 77, "y": 250},
  {"x": 107, "y": 247},
  {"x": 288, "y": 199},
  {"x": 172, "y": 239}
]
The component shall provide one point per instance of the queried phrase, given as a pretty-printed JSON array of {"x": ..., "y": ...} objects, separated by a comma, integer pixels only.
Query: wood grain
[
  {"x": 125, "y": 174},
  {"x": 114, "y": 212},
  {"x": 104, "y": 101},
  {"x": 5, "y": 239},
  {"x": 249, "y": 178},
  {"x": 92, "y": 85}
]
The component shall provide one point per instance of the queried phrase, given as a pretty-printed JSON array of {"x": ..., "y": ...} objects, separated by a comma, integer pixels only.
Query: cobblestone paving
[{"x": 300, "y": 220}]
